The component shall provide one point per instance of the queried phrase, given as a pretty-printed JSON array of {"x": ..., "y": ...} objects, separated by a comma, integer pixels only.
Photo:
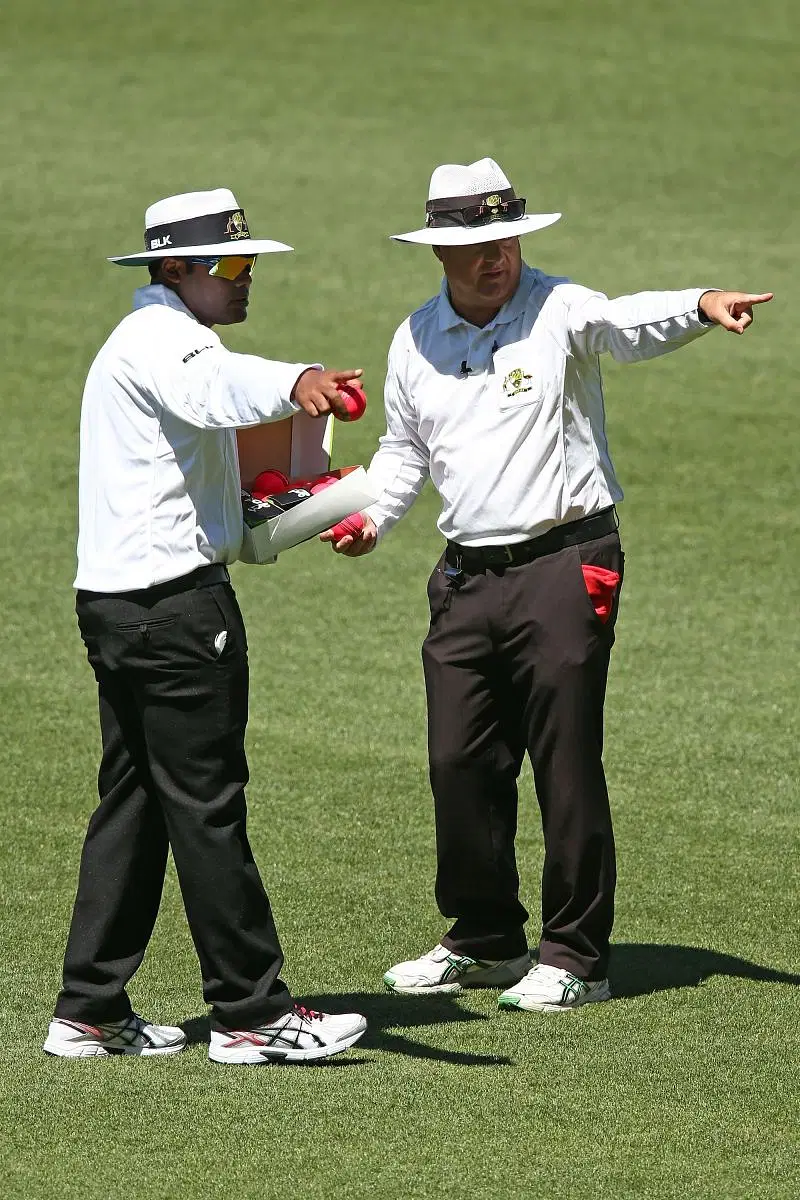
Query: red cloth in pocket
[{"x": 601, "y": 584}]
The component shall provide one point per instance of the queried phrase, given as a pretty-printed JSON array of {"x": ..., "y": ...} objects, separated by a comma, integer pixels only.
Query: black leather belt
[
  {"x": 476, "y": 558},
  {"x": 201, "y": 577}
]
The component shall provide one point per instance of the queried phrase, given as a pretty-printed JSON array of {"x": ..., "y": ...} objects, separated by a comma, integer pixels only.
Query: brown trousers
[{"x": 516, "y": 660}]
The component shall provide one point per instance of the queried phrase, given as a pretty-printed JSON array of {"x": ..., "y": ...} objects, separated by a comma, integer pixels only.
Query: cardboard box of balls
[{"x": 289, "y": 493}]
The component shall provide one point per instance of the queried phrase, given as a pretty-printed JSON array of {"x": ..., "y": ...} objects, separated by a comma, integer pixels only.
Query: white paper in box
[{"x": 300, "y": 446}]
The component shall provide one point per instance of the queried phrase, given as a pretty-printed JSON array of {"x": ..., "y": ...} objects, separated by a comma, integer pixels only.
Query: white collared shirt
[
  {"x": 508, "y": 420},
  {"x": 159, "y": 488}
]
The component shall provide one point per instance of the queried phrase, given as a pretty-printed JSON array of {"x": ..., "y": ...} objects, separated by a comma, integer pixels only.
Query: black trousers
[
  {"x": 516, "y": 660},
  {"x": 172, "y": 674}
]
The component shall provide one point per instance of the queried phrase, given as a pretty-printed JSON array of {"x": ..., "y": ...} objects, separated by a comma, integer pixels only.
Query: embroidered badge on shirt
[{"x": 515, "y": 382}]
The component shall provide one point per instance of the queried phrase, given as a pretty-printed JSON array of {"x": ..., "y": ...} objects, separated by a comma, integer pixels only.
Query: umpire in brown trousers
[{"x": 494, "y": 391}]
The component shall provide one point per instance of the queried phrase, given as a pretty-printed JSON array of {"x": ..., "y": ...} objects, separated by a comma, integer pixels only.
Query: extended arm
[
  {"x": 633, "y": 328},
  {"x": 647, "y": 324},
  {"x": 218, "y": 389}
]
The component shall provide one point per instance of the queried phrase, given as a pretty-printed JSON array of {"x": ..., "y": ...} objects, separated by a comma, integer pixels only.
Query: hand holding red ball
[
  {"x": 354, "y": 536},
  {"x": 320, "y": 392},
  {"x": 355, "y": 401},
  {"x": 351, "y": 526}
]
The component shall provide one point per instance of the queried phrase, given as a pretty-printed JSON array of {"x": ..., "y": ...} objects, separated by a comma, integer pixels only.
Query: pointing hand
[{"x": 731, "y": 310}]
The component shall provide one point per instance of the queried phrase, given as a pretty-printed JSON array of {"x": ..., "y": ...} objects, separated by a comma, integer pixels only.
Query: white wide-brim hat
[
  {"x": 197, "y": 224},
  {"x": 472, "y": 204}
]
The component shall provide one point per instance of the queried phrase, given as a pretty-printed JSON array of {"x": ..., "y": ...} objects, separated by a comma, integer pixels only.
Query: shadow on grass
[
  {"x": 385, "y": 1014},
  {"x": 645, "y": 968}
]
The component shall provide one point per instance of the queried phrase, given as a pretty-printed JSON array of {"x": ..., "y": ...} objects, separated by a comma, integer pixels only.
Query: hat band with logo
[
  {"x": 208, "y": 229},
  {"x": 471, "y": 211}
]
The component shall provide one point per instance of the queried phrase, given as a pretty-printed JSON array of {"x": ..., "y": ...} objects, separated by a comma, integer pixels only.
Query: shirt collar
[
  {"x": 449, "y": 318},
  {"x": 157, "y": 293}
]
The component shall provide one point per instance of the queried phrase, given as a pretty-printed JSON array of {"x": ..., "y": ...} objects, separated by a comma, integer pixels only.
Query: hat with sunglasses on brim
[
  {"x": 198, "y": 224},
  {"x": 472, "y": 204}
]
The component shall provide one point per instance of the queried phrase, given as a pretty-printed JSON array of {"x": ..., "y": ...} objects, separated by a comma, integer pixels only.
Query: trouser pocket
[
  {"x": 602, "y": 586},
  {"x": 602, "y": 566},
  {"x": 440, "y": 591},
  {"x": 147, "y": 625}
]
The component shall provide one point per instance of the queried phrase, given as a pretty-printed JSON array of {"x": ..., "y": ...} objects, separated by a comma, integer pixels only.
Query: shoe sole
[
  {"x": 95, "y": 1050},
  {"x": 261, "y": 1056},
  {"x": 518, "y": 1004},
  {"x": 437, "y": 989},
  {"x": 496, "y": 977}
]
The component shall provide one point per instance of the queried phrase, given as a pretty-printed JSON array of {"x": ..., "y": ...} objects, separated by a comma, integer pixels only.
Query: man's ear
[
  {"x": 437, "y": 252},
  {"x": 171, "y": 270}
]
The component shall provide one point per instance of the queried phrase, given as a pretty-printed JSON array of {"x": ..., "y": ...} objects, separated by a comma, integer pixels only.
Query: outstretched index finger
[{"x": 346, "y": 376}]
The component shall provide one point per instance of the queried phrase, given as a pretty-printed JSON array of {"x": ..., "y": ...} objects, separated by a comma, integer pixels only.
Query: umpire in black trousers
[
  {"x": 160, "y": 517},
  {"x": 493, "y": 391}
]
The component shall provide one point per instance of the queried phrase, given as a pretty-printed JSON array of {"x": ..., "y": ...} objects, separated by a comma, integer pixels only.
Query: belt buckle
[{"x": 508, "y": 555}]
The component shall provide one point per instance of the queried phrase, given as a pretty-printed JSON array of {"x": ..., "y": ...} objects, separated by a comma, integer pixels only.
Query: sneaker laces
[
  {"x": 128, "y": 1030},
  {"x": 134, "y": 1023},
  {"x": 307, "y": 1014}
]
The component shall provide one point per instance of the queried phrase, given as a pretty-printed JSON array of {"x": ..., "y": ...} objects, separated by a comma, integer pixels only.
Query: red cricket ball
[
  {"x": 321, "y": 482},
  {"x": 351, "y": 526},
  {"x": 269, "y": 483},
  {"x": 355, "y": 399}
]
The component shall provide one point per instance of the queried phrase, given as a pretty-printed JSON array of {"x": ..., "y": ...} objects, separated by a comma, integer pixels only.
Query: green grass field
[{"x": 667, "y": 136}]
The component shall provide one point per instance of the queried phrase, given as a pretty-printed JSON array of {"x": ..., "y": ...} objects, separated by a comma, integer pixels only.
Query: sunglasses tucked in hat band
[
  {"x": 228, "y": 267},
  {"x": 471, "y": 212},
  {"x": 471, "y": 203}
]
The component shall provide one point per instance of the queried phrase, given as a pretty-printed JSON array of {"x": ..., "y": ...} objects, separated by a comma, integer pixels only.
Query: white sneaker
[
  {"x": 301, "y": 1035},
  {"x": 551, "y": 989},
  {"x": 441, "y": 970},
  {"x": 134, "y": 1035}
]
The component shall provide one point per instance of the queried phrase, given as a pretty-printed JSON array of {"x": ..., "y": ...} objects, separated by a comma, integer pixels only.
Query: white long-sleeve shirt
[
  {"x": 508, "y": 420},
  {"x": 159, "y": 487}
]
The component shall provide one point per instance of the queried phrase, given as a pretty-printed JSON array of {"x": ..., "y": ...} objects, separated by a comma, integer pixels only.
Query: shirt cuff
[
  {"x": 701, "y": 316},
  {"x": 382, "y": 522}
]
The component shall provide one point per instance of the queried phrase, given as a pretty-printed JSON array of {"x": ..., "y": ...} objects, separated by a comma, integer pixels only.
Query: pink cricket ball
[
  {"x": 351, "y": 526},
  {"x": 355, "y": 399}
]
